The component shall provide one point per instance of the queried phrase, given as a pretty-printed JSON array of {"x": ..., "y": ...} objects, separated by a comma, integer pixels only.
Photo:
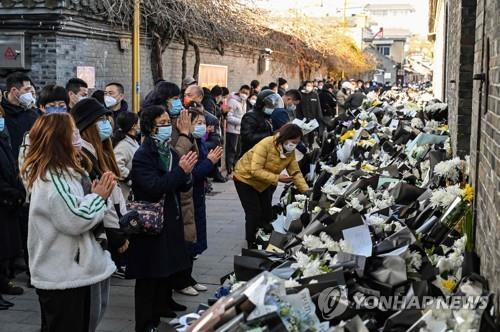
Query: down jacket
[
  {"x": 262, "y": 165},
  {"x": 237, "y": 108}
]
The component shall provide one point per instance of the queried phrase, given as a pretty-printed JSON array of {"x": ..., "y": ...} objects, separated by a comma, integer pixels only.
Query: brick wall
[
  {"x": 460, "y": 59},
  {"x": 486, "y": 159},
  {"x": 55, "y": 58}
]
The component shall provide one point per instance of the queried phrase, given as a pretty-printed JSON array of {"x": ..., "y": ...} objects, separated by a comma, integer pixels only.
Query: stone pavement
[{"x": 225, "y": 239}]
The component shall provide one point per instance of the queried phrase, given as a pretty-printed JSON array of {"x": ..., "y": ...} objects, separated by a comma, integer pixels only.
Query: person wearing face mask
[
  {"x": 114, "y": 99},
  {"x": 328, "y": 102},
  {"x": 158, "y": 172},
  {"x": 282, "y": 86},
  {"x": 257, "y": 124},
  {"x": 237, "y": 105},
  {"x": 252, "y": 100},
  {"x": 77, "y": 90},
  {"x": 207, "y": 160},
  {"x": 98, "y": 158},
  {"x": 125, "y": 145},
  {"x": 12, "y": 197},
  {"x": 258, "y": 172},
  {"x": 285, "y": 114},
  {"x": 342, "y": 95},
  {"x": 310, "y": 109},
  {"x": 53, "y": 99},
  {"x": 19, "y": 118},
  {"x": 67, "y": 262}
]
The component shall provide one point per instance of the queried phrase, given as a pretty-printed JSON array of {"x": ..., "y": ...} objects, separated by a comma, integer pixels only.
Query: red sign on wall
[{"x": 10, "y": 54}]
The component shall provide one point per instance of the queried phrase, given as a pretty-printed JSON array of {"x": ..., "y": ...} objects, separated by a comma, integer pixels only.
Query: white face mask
[
  {"x": 309, "y": 88},
  {"x": 243, "y": 96},
  {"x": 27, "y": 99},
  {"x": 289, "y": 147},
  {"x": 110, "y": 101},
  {"x": 252, "y": 102}
]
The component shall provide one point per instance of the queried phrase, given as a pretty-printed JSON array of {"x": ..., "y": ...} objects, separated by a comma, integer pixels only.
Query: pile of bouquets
[{"x": 383, "y": 242}]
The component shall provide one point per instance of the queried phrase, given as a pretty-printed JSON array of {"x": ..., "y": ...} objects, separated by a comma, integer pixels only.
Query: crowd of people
[{"x": 71, "y": 162}]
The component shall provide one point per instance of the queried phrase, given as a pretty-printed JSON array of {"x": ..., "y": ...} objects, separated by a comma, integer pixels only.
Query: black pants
[
  {"x": 65, "y": 310},
  {"x": 150, "y": 299},
  {"x": 257, "y": 206},
  {"x": 232, "y": 151}
]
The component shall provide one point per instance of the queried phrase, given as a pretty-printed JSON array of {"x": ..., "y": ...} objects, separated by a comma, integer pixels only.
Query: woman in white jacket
[
  {"x": 65, "y": 259},
  {"x": 125, "y": 145},
  {"x": 237, "y": 108}
]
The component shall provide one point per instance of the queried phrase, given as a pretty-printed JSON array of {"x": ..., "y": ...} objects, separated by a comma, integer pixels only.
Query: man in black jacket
[
  {"x": 256, "y": 125},
  {"x": 327, "y": 100},
  {"x": 19, "y": 117},
  {"x": 309, "y": 109}
]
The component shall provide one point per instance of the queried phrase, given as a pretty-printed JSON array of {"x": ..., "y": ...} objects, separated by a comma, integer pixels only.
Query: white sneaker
[
  {"x": 200, "y": 288},
  {"x": 189, "y": 291}
]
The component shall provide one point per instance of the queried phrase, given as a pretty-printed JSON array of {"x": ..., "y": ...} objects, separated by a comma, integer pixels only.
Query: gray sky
[{"x": 335, "y": 7}]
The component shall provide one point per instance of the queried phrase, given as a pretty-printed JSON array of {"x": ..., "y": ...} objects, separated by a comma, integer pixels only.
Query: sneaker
[
  {"x": 190, "y": 291},
  {"x": 11, "y": 289},
  {"x": 200, "y": 288}
]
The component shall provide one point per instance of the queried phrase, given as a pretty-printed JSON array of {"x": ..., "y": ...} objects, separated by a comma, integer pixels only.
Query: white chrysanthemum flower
[
  {"x": 290, "y": 283},
  {"x": 330, "y": 244},
  {"x": 300, "y": 198},
  {"x": 436, "y": 107},
  {"x": 389, "y": 227},
  {"x": 413, "y": 260},
  {"x": 431, "y": 125},
  {"x": 312, "y": 242},
  {"x": 449, "y": 169},
  {"x": 356, "y": 204},
  {"x": 335, "y": 170},
  {"x": 459, "y": 245},
  {"x": 313, "y": 268},
  {"x": 417, "y": 123},
  {"x": 443, "y": 197},
  {"x": 333, "y": 189},
  {"x": 317, "y": 209}
]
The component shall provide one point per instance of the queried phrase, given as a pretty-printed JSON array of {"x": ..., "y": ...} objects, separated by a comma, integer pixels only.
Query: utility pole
[
  {"x": 136, "y": 68},
  {"x": 345, "y": 16}
]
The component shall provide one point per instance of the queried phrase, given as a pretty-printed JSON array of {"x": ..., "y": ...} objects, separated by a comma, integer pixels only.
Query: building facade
[
  {"x": 63, "y": 37},
  {"x": 467, "y": 77}
]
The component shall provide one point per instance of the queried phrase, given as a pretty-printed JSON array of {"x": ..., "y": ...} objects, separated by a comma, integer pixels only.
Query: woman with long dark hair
[
  {"x": 66, "y": 260},
  {"x": 98, "y": 158}
]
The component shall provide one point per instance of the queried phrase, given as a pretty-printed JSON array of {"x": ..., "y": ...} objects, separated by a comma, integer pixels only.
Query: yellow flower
[
  {"x": 443, "y": 127},
  {"x": 468, "y": 193},
  {"x": 448, "y": 284},
  {"x": 348, "y": 134},
  {"x": 368, "y": 168},
  {"x": 367, "y": 142}
]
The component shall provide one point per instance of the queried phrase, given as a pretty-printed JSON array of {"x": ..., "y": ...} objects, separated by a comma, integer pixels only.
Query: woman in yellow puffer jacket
[{"x": 258, "y": 172}]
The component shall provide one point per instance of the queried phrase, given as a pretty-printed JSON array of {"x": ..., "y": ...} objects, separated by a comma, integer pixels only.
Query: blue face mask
[
  {"x": 2, "y": 124},
  {"x": 55, "y": 109},
  {"x": 199, "y": 131},
  {"x": 176, "y": 107},
  {"x": 268, "y": 111},
  {"x": 163, "y": 134},
  {"x": 105, "y": 129}
]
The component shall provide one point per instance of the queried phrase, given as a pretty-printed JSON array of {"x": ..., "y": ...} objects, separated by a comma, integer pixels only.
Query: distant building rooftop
[{"x": 389, "y": 7}]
